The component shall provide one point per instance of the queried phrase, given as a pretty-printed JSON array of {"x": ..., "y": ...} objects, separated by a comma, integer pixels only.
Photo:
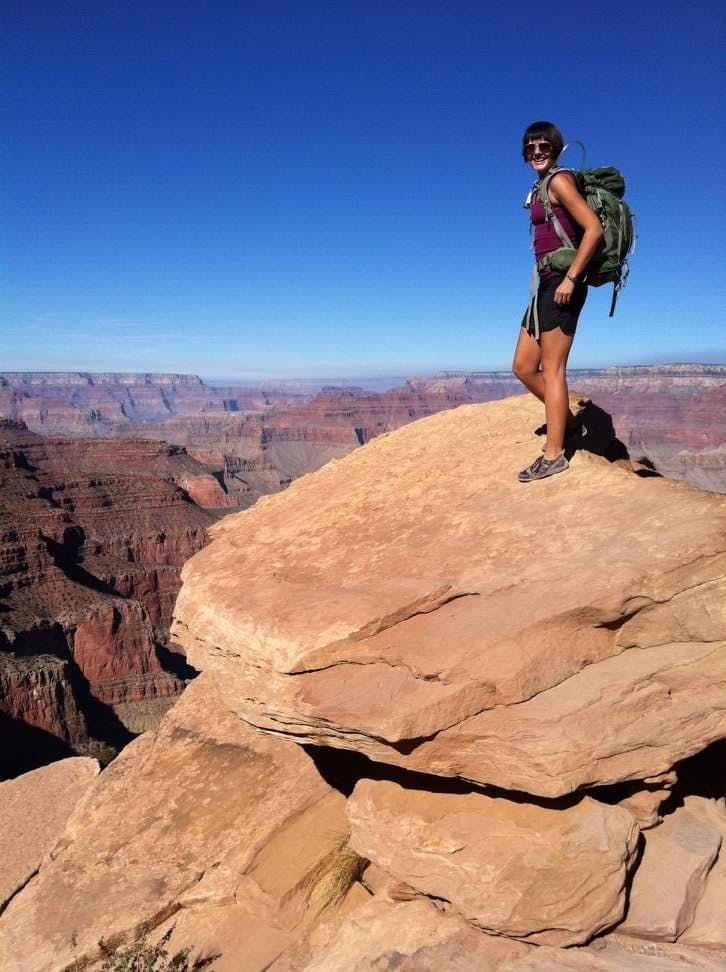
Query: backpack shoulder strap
[
  {"x": 544, "y": 184},
  {"x": 544, "y": 197}
]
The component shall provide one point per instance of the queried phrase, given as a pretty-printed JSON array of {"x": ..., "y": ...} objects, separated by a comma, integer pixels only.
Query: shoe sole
[{"x": 543, "y": 475}]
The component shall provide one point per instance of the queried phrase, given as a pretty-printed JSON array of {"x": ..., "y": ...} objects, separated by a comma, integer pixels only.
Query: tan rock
[
  {"x": 511, "y": 868},
  {"x": 189, "y": 818},
  {"x": 671, "y": 877},
  {"x": 250, "y": 944},
  {"x": 645, "y": 806},
  {"x": 619, "y": 954},
  {"x": 408, "y": 937},
  {"x": 34, "y": 809},
  {"x": 709, "y": 923},
  {"x": 414, "y": 602},
  {"x": 379, "y": 882}
]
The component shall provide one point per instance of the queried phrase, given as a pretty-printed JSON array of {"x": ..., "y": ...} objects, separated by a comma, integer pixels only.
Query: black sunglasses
[{"x": 537, "y": 148}]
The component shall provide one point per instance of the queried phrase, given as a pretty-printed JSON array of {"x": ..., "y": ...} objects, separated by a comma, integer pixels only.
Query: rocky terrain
[
  {"x": 92, "y": 539},
  {"x": 673, "y": 416},
  {"x": 257, "y": 440},
  {"x": 445, "y": 722},
  {"x": 263, "y": 453}
]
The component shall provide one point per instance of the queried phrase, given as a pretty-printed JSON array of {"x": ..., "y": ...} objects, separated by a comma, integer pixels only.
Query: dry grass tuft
[{"x": 331, "y": 880}]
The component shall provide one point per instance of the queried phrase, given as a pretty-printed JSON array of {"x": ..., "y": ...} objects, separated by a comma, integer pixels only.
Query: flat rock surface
[
  {"x": 415, "y": 936},
  {"x": 415, "y": 602},
  {"x": 34, "y": 809},
  {"x": 184, "y": 818},
  {"x": 709, "y": 921},
  {"x": 671, "y": 877},
  {"x": 620, "y": 954},
  {"x": 514, "y": 869},
  {"x": 406, "y": 937}
]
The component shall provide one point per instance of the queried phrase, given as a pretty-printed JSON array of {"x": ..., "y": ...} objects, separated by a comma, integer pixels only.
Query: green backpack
[{"x": 603, "y": 189}]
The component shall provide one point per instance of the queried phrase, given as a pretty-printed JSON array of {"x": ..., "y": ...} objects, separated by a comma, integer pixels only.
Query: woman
[{"x": 548, "y": 327}]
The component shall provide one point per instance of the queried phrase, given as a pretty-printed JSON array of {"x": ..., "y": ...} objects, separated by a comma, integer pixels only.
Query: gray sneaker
[{"x": 541, "y": 468}]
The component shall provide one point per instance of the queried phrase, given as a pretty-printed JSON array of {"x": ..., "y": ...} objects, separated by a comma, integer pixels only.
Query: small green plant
[
  {"x": 141, "y": 956},
  {"x": 106, "y": 754}
]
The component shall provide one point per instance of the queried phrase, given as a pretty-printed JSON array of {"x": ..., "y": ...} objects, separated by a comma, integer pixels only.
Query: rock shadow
[
  {"x": 343, "y": 768},
  {"x": 103, "y": 724},
  {"x": 67, "y": 558},
  {"x": 25, "y": 747},
  {"x": 703, "y": 774},
  {"x": 596, "y": 434},
  {"x": 175, "y": 663}
]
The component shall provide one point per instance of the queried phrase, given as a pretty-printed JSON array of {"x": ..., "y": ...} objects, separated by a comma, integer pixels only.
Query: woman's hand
[
  {"x": 564, "y": 292},
  {"x": 564, "y": 192}
]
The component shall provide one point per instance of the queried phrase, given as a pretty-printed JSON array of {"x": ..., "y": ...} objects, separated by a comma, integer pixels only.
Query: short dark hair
[{"x": 543, "y": 129}]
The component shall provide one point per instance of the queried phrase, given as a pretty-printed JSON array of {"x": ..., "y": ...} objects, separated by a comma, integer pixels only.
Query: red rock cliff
[{"x": 92, "y": 539}]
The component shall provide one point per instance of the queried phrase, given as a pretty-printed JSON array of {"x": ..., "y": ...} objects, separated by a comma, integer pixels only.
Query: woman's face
[{"x": 540, "y": 155}]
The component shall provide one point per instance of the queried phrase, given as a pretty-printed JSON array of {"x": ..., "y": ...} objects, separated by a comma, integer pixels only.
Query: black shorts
[{"x": 552, "y": 315}]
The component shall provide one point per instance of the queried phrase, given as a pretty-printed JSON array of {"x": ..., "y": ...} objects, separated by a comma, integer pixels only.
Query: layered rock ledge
[
  {"x": 503, "y": 686},
  {"x": 415, "y": 603}
]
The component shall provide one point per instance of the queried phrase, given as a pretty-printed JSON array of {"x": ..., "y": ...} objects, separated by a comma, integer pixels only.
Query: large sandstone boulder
[
  {"x": 674, "y": 874},
  {"x": 511, "y": 868},
  {"x": 34, "y": 809},
  {"x": 205, "y": 815},
  {"x": 414, "y": 602}
]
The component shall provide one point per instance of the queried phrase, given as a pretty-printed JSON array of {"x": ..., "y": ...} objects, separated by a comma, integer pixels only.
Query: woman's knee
[
  {"x": 524, "y": 370},
  {"x": 554, "y": 371}
]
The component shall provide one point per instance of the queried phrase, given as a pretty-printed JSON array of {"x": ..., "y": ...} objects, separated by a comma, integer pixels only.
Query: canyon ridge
[{"x": 257, "y": 440}]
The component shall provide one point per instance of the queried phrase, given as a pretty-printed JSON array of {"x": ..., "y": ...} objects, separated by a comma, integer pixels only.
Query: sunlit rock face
[
  {"x": 415, "y": 603},
  {"x": 205, "y": 822},
  {"x": 503, "y": 685}
]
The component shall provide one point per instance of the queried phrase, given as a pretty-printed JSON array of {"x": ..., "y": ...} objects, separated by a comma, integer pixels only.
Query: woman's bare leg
[
  {"x": 526, "y": 363},
  {"x": 555, "y": 349}
]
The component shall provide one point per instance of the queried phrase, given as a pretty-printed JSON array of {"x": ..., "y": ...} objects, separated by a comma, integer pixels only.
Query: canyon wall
[
  {"x": 92, "y": 539},
  {"x": 97, "y": 404},
  {"x": 257, "y": 440}
]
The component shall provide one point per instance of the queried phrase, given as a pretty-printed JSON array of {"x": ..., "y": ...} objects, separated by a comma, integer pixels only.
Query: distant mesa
[{"x": 74, "y": 378}]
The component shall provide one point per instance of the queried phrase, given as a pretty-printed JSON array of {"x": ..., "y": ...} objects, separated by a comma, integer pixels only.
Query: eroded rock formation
[
  {"x": 92, "y": 539},
  {"x": 498, "y": 687},
  {"x": 445, "y": 617},
  {"x": 206, "y": 821},
  {"x": 257, "y": 440},
  {"x": 92, "y": 404}
]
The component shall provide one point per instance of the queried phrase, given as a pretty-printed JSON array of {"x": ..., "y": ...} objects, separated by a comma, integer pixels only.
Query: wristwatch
[{"x": 571, "y": 278}]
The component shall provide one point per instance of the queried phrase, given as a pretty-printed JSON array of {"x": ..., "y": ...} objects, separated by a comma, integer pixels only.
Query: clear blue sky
[{"x": 315, "y": 188}]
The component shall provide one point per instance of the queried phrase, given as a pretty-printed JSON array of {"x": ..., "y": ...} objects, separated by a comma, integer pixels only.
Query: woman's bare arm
[{"x": 564, "y": 192}]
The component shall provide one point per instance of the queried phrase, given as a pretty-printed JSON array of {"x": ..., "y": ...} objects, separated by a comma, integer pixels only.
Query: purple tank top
[{"x": 545, "y": 238}]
